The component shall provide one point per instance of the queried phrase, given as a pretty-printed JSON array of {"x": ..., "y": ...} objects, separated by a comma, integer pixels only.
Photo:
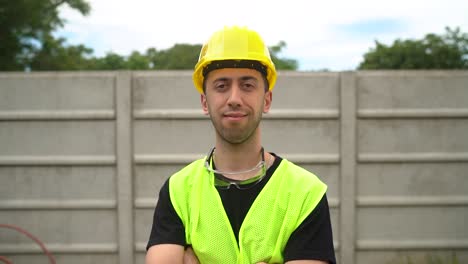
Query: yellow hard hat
[{"x": 234, "y": 47}]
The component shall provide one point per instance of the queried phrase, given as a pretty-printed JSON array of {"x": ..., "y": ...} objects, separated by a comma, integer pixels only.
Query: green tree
[
  {"x": 55, "y": 56},
  {"x": 178, "y": 57},
  {"x": 137, "y": 61},
  {"x": 185, "y": 56},
  {"x": 111, "y": 61},
  {"x": 281, "y": 63},
  {"x": 447, "y": 51},
  {"x": 26, "y": 24},
  {"x": 26, "y": 42}
]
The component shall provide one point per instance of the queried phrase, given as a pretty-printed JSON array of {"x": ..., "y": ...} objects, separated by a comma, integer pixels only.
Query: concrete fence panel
[
  {"x": 83, "y": 156},
  {"x": 412, "y": 173},
  {"x": 57, "y": 166}
]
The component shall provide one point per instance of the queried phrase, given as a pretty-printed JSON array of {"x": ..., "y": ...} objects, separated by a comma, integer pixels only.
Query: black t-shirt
[{"x": 312, "y": 240}]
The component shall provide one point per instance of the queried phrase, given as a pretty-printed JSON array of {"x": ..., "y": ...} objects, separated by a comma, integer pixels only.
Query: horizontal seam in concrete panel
[
  {"x": 308, "y": 74},
  {"x": 274, "y": 114},
  {"x": 150, "y": 203},
  {"x": 187, "y": 158},
  {"x": 425, "y": 244},
  {"x": 63, "y": 74},
  {"x": 57, "y": 204},
  {"x": 90, "y": 248},
  {"x": 380, "y": 201},
  {"x": 412, "y": 73},
  {"x": 169, "y": 114},
  {"x": 334, "y": 203},
  {"x": 412, "y": 113},
  {"x": 56, "y": 160},
  {"x": 413, "y": 157},
  {"x": 141, "y": 246},
  {"x": 145, "y": 203},
  {"x": 166, "y": 158},
  {"x": 162, "y": 73},
  {"x": 302, "y": 114},
  {"x": 58, "y": 115}
]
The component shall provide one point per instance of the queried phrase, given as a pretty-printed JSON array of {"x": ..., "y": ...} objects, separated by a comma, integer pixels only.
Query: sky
[{"x": 327, "y": 34}]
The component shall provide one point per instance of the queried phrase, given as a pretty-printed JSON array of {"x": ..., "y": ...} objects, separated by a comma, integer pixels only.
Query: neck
[{"x": 239, "y": 157}]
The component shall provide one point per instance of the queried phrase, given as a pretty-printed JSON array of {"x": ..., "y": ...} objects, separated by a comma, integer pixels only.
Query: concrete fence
[{"x": 83, "y": 155}]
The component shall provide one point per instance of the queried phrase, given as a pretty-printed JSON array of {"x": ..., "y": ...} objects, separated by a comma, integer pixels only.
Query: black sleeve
[
  {"x": 313, "y": 239},
  {"x": 167, "y": 227}
]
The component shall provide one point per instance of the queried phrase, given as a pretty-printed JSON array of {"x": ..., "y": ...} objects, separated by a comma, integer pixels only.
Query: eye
[
  {"x": 220, "y": 86},
  {"x": 248, "y": 85}
]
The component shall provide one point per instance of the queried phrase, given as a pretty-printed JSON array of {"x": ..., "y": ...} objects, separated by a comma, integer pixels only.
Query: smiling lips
[{"x": 234, "y": 116}]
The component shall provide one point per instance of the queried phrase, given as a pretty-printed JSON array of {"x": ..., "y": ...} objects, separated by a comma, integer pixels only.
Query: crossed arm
[{"x": 176, "y": 254}]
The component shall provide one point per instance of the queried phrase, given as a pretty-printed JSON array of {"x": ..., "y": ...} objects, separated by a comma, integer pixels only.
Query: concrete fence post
[
  {"x": 124, "y": 152},
  {"x": 348, "y": 167}
]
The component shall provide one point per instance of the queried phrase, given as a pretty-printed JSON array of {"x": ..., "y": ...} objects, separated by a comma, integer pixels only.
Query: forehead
[{"x": 233, "y": 73}]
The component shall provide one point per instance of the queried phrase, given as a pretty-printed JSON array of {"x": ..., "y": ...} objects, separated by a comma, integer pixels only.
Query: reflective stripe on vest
[{"x": 286, "y": 200}]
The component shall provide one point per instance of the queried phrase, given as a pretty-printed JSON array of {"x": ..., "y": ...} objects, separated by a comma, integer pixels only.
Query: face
[{"x": 235, "y": 100}]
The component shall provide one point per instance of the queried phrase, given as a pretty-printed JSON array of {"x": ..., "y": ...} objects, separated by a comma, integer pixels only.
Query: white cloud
[{"x": 308, "y": 27}]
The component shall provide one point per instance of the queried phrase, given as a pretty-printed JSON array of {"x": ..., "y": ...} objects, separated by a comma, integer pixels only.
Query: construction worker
[{"x": 240, "y": 204}]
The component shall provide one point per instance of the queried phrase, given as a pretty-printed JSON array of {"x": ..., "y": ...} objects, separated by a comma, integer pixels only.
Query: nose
[{"x": 234, "y": 99}]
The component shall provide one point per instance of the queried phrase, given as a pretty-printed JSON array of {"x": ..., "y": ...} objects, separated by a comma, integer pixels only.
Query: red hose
[
  {"x": 5, "y": 260},
  {"x": 39, "y": 242}
]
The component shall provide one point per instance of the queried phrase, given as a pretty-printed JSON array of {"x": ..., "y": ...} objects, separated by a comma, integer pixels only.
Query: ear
[
  {"x": 204, "y": 104},
  {"x": 267, "y": 101}
]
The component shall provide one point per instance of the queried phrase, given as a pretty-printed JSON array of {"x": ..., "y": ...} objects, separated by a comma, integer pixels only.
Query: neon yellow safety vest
[{"x": 286, "y": 200}]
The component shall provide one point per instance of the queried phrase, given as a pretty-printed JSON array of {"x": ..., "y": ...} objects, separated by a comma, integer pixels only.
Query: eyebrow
[
  {"x": 246, "y": 78},
  {"x": 242, "y": 78}
]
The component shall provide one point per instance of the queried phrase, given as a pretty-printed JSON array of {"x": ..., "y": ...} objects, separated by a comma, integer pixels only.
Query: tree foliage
[
  {"x": 27, "y": 24},
  {"x": 178, "y": 57},
  {"x": 282, "y": 63},
  {"x": 27, "y": 43},
  {"x": 53, "y": 55},
  {"x": 111, "y": 61},
  {"x": 447, "y": 51}
]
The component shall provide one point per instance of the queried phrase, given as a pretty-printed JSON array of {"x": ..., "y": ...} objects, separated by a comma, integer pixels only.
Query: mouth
[{"x": 234, "y": 116}]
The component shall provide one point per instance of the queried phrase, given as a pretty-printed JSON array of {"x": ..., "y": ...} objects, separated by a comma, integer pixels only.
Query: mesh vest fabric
[{"x": 286, "y": 200}]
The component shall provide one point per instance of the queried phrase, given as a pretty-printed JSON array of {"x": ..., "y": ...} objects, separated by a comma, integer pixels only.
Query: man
[{"x": 240, "y": 204}]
